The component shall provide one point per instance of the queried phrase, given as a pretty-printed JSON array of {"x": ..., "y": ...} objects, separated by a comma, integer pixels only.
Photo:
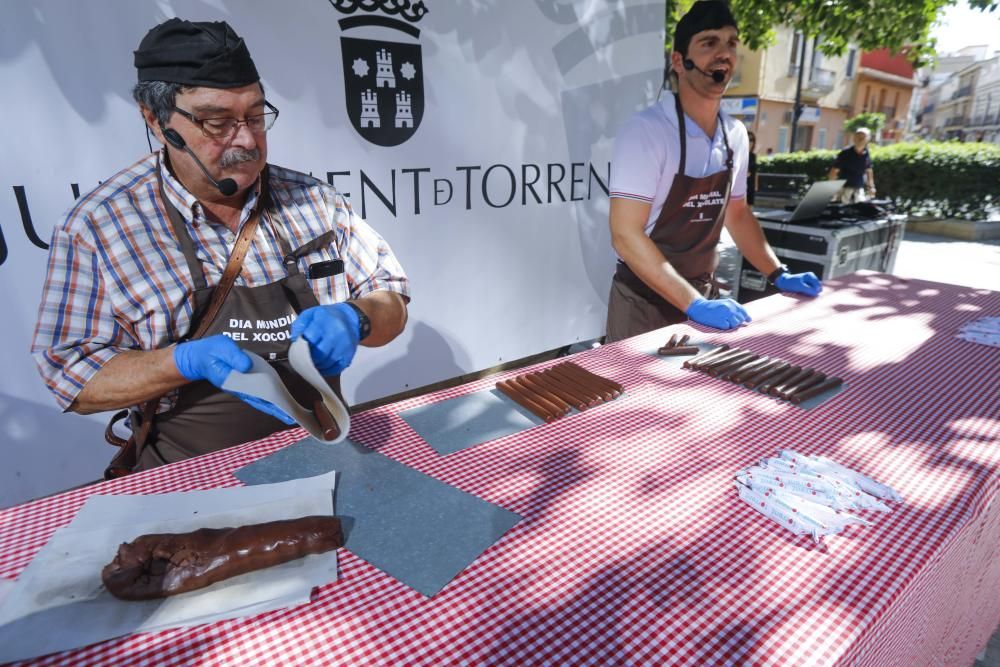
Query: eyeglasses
[{"x": 226, "y": 128}]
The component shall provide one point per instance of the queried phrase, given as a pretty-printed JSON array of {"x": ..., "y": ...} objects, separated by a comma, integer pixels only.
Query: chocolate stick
[
  {"x": 584, "y": 373},
  {"x": 595, "y": 393},
  {"x": 826, "y": 385},
  {"x": 672, "y": 341},
  {"x": 554, "y": 384},
  {"x": 546, "y": 397},
  {"x": 590, "y": 395},
  {"x": 515, "y": 395},
  {"x": 764, "y": 375},
  {"x": 701, "y": 363},
  {"x": 538, "y": 398},
  {"x": 748, "y": 370},
  {"x": 731, "y": 372},
  {"x": 808, "y": 383},
  {"x": 683, "y": 340},
  {"x": 677, "y": 350},
  {"x": 779, "y": 388},
  {"x": 327, "y": 424},
  {"x": 725, "y": 361},
  {"x": 765, "y": 387},
  {"x": 693, "y": 363},
  {"x": 717, "y": 371}
]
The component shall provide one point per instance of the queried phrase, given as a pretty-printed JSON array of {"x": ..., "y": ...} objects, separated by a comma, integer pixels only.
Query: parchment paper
[{"x": 59, "y": 602}]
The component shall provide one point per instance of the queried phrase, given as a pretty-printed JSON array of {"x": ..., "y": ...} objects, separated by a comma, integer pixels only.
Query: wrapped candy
[
  {"x": 809, "y": 495},
  {"x": 824, "y": 465}
]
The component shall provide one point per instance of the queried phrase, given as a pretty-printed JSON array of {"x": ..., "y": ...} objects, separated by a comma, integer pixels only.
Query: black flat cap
[
  {"x": 703, "y": 15},
  {"x": 207, "y": 54}
]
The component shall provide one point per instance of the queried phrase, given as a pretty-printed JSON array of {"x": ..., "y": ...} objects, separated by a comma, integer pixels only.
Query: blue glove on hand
[
  {"x": 333, "y": 333},
  {"x": 803, "y": 283},
  {"x": 212, "y": 359},
  {"x": 717, "y": 313}
]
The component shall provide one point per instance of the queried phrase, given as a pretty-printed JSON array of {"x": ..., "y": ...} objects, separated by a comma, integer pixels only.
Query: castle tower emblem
[
  {"x": 404, "y": 116},
  {"x": 384, "y": 76},
  {"x": 369, "y": 109}
]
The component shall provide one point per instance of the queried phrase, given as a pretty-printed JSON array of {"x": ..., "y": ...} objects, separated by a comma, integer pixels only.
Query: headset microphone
[
  {"x": 716, "y": 76},
  {"x": 226, "y": 186}
]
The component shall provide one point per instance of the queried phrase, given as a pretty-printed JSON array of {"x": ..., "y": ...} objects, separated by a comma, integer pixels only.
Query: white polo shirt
[{"x": 646, "y": 155}]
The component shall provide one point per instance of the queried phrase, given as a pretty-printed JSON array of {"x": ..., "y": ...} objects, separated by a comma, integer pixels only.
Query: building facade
[
  {"x": 885, "y": 84},
  {"x": 763, "y": 94},
  {"x": 960, "y": 98}
]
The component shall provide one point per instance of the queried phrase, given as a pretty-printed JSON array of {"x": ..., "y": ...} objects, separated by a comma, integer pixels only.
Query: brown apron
[
  {"x": 204, "y": 418},
  {"x": 687, "y": 232}
]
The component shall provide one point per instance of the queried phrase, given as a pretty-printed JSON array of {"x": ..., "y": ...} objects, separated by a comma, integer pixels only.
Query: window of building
[
  {"x": 868, "y": 90},
  {"x": 851, "y": 55},
  {"x": 821, "y": 141},
  {"x": 793, "y": 59},
  {"x": 783, "y": 139}
]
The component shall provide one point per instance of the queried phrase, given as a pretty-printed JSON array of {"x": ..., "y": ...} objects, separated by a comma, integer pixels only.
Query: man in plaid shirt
[{"x": 133, "y": 266}]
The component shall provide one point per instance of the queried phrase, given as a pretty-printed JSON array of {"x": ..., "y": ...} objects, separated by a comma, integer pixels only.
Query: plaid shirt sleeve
[
  {"x": 369, "y": 263},
  {"x": 76, "y": 332}
]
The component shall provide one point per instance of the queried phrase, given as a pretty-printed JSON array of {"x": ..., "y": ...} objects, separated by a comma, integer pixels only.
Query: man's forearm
[
  {"x": 647, "y": 262},
  {"x": 129, "y": 379},
  {"x": 387, "y": 312}
]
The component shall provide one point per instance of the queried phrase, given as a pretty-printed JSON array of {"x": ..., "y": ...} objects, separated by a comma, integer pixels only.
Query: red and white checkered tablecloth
[{"x": 634, "y": 548}]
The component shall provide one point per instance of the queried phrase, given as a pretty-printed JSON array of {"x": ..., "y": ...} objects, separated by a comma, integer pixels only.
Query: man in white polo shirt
[{"x": 679, "y": 171}]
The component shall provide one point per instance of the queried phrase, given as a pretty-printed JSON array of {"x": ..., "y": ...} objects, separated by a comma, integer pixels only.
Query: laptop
[{"x": 815, "y": 201}]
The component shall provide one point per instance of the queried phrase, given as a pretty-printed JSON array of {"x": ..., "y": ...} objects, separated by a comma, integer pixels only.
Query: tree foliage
[
  {"x": 873, "y": 120},
  {"x": 898, "y": 25}
]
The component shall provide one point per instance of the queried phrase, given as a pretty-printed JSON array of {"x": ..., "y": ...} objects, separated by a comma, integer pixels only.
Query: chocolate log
[
  {"x": 724, "y": 362},
  {"x": 765, "y": 374},
  {"x": 516, "y": 394},
  {"x": 684, "y": 339},
  {"x": 766, "y": 386},
  {"x": 672, "y": 341},
  {"x": 158, "y": 565},
  {"x": 694, "y": 363},
  {"x": 736, "y": 363},
  {"x": 778, "y": 388},
  {"x": 747, "y": 370},
  {"x": 530, "y": 394},
  {"x": 678, "y": 350},
  {"x": 327, "y": 424},
  {"x": 582, "y": 372},
  {"x": 826, "y": 385},
  {"x": 544, "y": 395},
  {"x": 555, "y": 386},
  {"x": 723, "y": 358},
  {"x": 589, "y": 395},
  {"x": 811, "y": 381}
]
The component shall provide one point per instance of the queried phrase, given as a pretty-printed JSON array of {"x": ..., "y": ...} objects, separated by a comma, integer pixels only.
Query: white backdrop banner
[{"x": 485, "y": 165}]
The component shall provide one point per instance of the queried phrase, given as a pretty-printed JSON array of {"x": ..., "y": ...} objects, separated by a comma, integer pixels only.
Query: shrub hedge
[{"x": 940, "y": 179}]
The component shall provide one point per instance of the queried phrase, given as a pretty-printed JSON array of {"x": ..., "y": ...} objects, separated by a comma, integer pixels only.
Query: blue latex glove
[
  {"x": 333, "y": 333},
  {"x": 717, "y": 313},
  {"x": 803, "y": 283},
  {"x": 212, "y": 359}
]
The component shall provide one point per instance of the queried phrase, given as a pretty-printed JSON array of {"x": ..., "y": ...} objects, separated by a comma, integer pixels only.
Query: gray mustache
[{"x": 237, "y": 155}]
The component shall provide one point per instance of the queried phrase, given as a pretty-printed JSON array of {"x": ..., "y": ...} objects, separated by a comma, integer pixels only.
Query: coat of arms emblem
[{"x": 383, "y": 80}]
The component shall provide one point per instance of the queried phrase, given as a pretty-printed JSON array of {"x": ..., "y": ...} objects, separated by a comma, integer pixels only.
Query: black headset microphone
[
  {"x": 716, "y": 76},
  {"x": 226, "y": 186}
]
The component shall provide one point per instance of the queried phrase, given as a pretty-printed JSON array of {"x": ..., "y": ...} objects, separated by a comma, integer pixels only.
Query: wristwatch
[
  {"x": 774, "y": 275},
  {"x": 364, "y": 324}
]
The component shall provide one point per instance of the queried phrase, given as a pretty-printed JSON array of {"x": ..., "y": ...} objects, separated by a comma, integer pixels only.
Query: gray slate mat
[
  {"x": 411, "y": 526},
  {"x": 453, "y": 425}
]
